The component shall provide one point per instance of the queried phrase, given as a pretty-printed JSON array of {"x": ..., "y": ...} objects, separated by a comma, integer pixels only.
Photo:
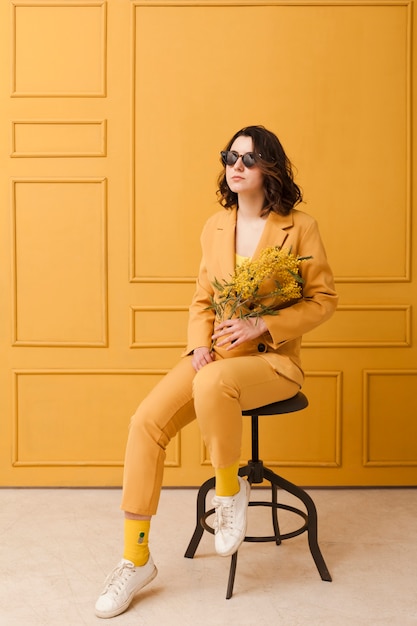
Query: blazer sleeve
[
  {"x": 200, "y": 318},
  {"x": 319, "y": 299}
]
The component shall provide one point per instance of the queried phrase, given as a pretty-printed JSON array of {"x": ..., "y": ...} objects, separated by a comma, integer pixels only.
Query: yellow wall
[{"x": 112, "y": 119}]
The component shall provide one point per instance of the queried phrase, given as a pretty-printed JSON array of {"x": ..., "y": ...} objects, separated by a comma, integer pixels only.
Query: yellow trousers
[{"x": 216, "y": 396}]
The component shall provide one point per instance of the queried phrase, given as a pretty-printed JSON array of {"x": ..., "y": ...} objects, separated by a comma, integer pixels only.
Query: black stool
[{"x": 256, "y": 473}]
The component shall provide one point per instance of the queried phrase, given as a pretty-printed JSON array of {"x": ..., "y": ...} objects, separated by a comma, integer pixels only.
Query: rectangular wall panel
[
  {"x": 308, "y": 438},
  {"x": 356, "y": 57},
  {"x": 47, "y": 430},
  {"x": 60, "y": 262},
  {"x": 59, "y": 139},
  {"x": 49, "y": 39},
  {"x": 364, "y": 326},
  {"x": 389, "y": 418},
  {"x": 158, "y": 327}
]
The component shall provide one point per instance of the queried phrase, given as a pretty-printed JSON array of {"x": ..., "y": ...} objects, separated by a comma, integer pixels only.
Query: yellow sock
[
  {"x": 227, "y": 483},
  {"x": 136, "y": 535}
]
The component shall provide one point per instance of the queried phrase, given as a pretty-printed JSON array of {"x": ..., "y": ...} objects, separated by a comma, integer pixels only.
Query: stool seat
[
  {"x": 256, "y": 473},
  {"x": 296, "y": 403}
]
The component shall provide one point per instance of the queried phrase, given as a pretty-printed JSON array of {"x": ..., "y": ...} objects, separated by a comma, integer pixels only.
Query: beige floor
[{"x": 58, "y": 545}]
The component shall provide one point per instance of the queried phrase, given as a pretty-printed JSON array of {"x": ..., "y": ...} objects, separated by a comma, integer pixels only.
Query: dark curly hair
[{"x": 281, "y": 192}]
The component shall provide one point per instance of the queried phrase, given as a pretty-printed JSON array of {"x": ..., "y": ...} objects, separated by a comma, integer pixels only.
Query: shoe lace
[
  {"x": 224, "y": 514},
  {"x": 118, "y": 577}
]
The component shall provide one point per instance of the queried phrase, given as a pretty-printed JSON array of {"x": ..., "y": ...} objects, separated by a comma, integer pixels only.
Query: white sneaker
[
  {"x": 230, "y": 519},
  {"x": 121, "y": 585}
]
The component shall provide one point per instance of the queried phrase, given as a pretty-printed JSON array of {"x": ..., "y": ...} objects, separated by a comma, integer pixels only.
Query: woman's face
[{"x": 242, "y": 179}]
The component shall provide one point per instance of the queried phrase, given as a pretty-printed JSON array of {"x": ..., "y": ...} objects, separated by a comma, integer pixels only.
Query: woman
[{"x": 228, "y": 365}]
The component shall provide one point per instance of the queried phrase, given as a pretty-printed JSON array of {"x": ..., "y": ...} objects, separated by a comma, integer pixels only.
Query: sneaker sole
[{"x": 125, "y": 606}]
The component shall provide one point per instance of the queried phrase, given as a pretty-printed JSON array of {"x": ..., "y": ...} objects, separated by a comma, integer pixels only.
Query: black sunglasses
[{"x": 230, "y": 157}]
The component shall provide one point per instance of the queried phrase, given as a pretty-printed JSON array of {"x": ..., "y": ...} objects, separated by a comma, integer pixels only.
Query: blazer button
[{"x": 261, "y": 347}]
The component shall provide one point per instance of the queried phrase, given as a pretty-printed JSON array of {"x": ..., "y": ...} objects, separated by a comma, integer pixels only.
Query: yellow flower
[{"x": 259, "y": 287}]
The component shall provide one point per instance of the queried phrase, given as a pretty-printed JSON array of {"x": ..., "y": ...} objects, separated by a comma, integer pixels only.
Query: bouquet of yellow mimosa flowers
[{"x": 260, "y": 287}]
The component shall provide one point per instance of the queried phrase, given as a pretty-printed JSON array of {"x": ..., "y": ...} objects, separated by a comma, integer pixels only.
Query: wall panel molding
[
  {"x": 389, "y": 424},
  {"x": 401, "y": 273},
  {"x": 364, "y": 326},
  {"x": 144, "y": 323},
  {"x": 309, "y": 421},
  {"x": 51, "y": 292},
  {"x": 33, "y": 75},
  {"x": 44, "y": 402},
  {"x": 55, "y": 138}
]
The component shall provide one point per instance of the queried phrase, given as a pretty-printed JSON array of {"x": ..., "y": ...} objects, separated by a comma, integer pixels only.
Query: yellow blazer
[{"x": 281, "y": 344}]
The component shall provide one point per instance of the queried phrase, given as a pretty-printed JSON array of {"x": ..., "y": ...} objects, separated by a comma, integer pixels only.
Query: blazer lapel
[
  {"x": 227, "y": 239},
  {"x": 275, "y": 232}
]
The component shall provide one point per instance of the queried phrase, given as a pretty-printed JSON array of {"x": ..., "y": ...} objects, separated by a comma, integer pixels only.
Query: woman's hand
[
  {"x": 201, "y": 357},
  {"x": 238, "y": 330}
]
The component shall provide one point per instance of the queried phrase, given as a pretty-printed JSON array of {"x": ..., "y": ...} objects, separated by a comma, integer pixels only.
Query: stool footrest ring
[{"x": 261, "y": 538}]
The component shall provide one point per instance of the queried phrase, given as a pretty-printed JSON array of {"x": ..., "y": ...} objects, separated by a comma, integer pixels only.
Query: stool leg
[
  {"x": 232, "y": 573},
  {"x": 199, "y": 530},
  {"x": 274, "y": 510},
  {"x": 201, "y": 509},
  {"x": 311, "y": 523}
]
